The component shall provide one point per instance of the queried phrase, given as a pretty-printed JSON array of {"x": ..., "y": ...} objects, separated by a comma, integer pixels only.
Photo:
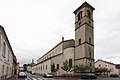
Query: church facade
[{"x": 78, "y": 52}]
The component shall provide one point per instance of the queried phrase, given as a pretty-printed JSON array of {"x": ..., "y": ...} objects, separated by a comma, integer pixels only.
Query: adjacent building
[
  {"x": 8, "y": 60},
  {"x": 15, "y": 65},
  {"x": 78, "y": 52},
  {"x": 105, "y": 64}
]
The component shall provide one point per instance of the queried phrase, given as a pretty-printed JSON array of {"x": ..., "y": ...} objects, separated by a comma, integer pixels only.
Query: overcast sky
[{"x": 34, "y": 27}]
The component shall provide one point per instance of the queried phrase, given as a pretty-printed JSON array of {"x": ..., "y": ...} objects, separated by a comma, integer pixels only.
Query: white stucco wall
[
  {"x": 55, "y": 51},
  {"x": 4, "y": 61},
  {"x": 41, "y": 68},
  {"x": 29, "y": 68},
  {"x": 107, "y": 65},
  {"x": 56, "y": 55},
  {"x": 69, "y": 54}
]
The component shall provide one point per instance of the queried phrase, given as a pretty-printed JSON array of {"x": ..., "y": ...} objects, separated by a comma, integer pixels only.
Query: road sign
[{"x": 117, "y": 66}]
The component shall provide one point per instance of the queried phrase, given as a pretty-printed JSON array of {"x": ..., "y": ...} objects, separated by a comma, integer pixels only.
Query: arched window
[
  {"x": 70, "y": 62},
  {"x": 99, "y": 65},
  {"x": 57, "y": 66},
  {"x": 88, "y": 14},
  {"x": 80, "y": 15},
  {"x": 79, "y": 41}
]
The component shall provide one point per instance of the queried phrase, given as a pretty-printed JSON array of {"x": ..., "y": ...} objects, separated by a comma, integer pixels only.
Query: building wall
[
  {"x": 58, "y": 49},
  {"x": 6, "y": 58},
  {"x": 80, "y": 51},
  {"x": 53, "y": 56},
  {"x": 58, "y": 60},
  {"x": 64, "y": 50},
  {"x": 102, "y": 64},
  {"x": 69, "y": 54},
  {"x": 84, "y": 38},
  {"x": 44, "y": 67},
  {"x": 20, "y": 68},
  {"x": 29, "y": 68}
]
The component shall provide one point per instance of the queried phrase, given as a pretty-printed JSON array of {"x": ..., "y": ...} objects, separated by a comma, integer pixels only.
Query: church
[{"x": 78, "y": 52}]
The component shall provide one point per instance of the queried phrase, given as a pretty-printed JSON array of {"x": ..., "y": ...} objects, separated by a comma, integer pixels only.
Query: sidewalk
[{"x": 14, "y": 77}]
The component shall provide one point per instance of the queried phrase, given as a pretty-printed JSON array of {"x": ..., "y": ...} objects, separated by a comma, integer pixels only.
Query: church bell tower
[{"x": 84, "y": 35}]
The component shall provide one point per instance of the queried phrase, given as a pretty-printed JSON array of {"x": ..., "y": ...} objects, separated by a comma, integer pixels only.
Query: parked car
[
  {"x": 114, "y": 75},
  {"x": 88, "y": 75},
  {"x": 48, "y": 75},
  {"x": 22, "y": 75}
]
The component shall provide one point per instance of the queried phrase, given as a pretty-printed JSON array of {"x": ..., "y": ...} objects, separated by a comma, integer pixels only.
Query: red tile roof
[{"x": 105, "y": 62}]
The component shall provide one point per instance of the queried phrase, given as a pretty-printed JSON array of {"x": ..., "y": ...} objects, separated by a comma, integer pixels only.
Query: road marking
[
  {"x": 28, "y": 78},
  {"x": 40, "y": 79},
  {"x": 34, "y": 78}
]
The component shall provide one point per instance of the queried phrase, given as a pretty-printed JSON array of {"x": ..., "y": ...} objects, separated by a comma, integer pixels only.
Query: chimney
[
  {"x": 32, "y": 60},
  {"x": 62, "y": 38}
]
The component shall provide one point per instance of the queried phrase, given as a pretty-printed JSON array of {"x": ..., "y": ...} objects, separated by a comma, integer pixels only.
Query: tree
[
  {"x": 104, "y": 71},
  {"x": 53, "y": 67},
  {"x": 25, "y": 67},
  {"x": 81, "y": 68},
  {"x": 66, "y": 66},
  {"x": 98, "y": 70}
]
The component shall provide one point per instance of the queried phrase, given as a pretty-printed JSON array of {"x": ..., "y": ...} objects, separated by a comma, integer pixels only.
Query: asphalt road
[
  {"x": 71, "y": 79},
  {"x": 38, "y": 77}
]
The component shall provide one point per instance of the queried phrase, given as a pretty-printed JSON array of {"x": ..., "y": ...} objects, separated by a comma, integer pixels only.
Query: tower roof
[
  {"x": 105, "y": 62},
  {"x": 85, "y": 4}
]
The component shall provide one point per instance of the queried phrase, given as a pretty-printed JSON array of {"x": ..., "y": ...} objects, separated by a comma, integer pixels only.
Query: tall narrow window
[
  {"x": 8, "y": 55},
  {"x": 88, "y": 14},
  {"x": 41, "y": 67},
  {"x": 50, "y": 55},
  {"x": 80, "y": 15},
  {"x": 90, "y": 55},
  {"x": 70, "y": 62},
  {"x": 2, "y": 70},
  {"x": 7, "y": 70},
  {"x": 57, "y": 66},
  {"x": 10, "y": 70},
  {"x": 90, "y": 64},
  {"x": 90, "y": 40},
  {"x": 46, "y": 67},
  {"x": 47, "y": 56},
  {"x": 79, "y": 41},
  {"x": 4, "y": 49}
]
